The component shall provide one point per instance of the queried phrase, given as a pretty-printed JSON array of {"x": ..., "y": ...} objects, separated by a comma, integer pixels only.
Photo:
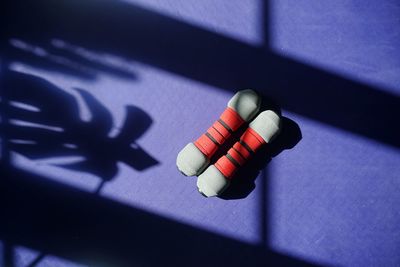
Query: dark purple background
[{"x": 333, "y": 67}]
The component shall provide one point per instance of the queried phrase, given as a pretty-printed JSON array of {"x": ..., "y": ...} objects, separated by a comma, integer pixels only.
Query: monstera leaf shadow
[{"x": 45, "y": 123}]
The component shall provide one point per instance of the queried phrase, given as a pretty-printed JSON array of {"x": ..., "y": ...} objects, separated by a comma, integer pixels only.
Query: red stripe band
[
  {"x": 218, "y": 133},
  {"x": 252, "y": 139},
  {"x": 242, "y": 150},
  {"x": 231, "y": 118},
  {"x": 221, "y": 129},
  {"x": 236, "y": 156},
  {"x": 206, "y": 146},
  {"x": 226, "y": 167}
]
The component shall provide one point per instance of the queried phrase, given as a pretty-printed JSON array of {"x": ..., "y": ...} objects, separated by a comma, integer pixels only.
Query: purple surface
[{"x": 331, "y": 200}]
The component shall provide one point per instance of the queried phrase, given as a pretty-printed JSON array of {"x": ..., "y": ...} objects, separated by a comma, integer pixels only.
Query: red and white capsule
[
  {"x": 216, "y": 178},
  {"x": 195, "y": 157}
]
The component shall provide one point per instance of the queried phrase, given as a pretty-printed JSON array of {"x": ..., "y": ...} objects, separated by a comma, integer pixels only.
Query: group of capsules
[{"x": 194, "y": 158}]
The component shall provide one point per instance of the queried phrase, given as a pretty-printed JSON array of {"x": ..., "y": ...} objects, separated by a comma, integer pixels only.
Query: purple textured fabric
[{"x": 164, "y": 72}]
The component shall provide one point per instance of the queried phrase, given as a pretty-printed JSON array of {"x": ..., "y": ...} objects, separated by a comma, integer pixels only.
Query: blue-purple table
[{"x": 99, "y": 97}]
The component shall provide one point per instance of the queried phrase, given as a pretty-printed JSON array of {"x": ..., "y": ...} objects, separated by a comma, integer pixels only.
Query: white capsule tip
[
  {"x": 211, "y": 182},
  {"x": 246, "y": 103},
  {"x": 191, "y": 161},
  {"x": 267, "y": 124}
]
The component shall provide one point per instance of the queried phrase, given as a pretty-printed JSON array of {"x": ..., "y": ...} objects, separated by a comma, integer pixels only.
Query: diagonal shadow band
[
  {"x": 133, "y": 32},
  {"x": 82, "y": 227}
]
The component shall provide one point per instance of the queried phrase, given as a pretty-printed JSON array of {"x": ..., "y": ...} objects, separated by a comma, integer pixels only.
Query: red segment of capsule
[
  {"x": 226, "y": 167},
  {"x": 221, "y": 129},
  {"x": 231, "y": 118},
  {"x": 241, "y": 151},
  {"x": 252, "y": 139},
  {"x": 206, "y": 146},
  {"x": 236, "y": 156},
  {"x": 217, "y": 134}
]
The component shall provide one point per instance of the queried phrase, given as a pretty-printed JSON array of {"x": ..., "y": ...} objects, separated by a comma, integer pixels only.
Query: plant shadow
[{"x": 44, "y": 122}]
